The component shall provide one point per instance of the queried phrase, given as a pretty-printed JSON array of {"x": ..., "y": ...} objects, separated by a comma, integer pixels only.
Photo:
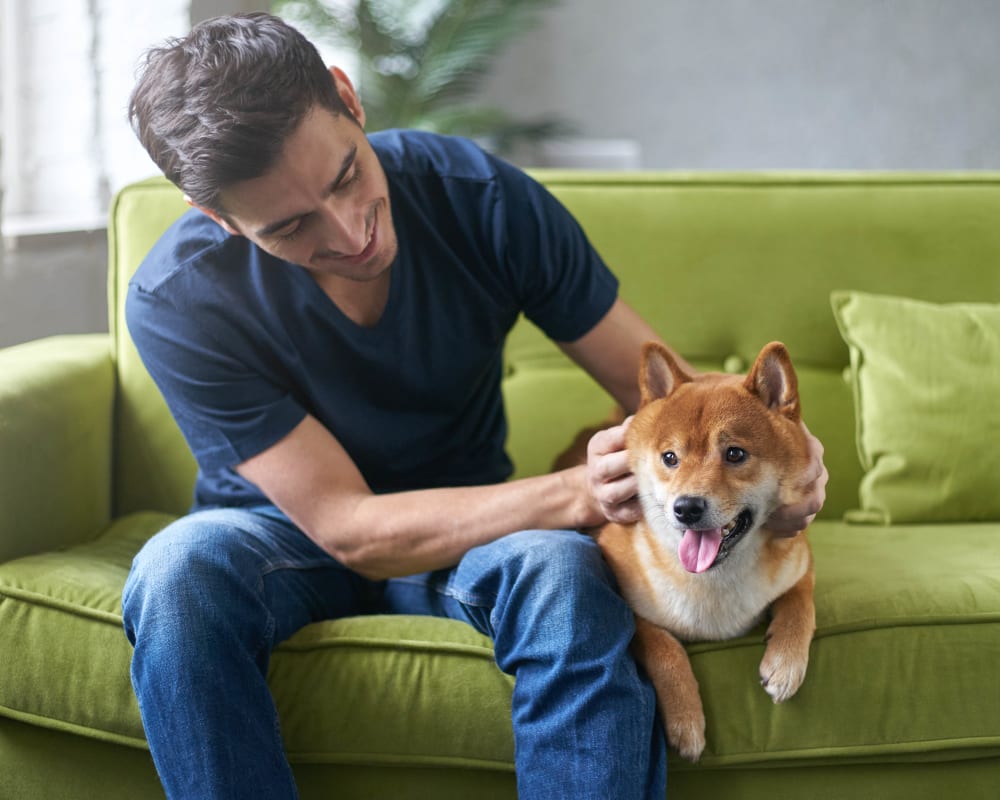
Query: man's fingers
[
  {"x": 612, "y": 483},
  {"x": 795, "y": 517},
  {"x": 609, "y": 467},
  {"x": 625, "y": 512},
  {"x": 609, "y": 440},
  {"x": 815, "y": 470},
  {"x": 621, "y": 490}
]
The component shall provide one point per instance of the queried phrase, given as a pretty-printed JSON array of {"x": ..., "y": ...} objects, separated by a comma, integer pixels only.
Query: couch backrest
[
  {"x": 719, "y": 264},
  {"x": 154, "y": 470}
]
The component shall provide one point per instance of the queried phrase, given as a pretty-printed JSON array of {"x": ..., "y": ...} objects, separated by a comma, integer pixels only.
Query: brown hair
[{"x": 215, "y": 107}]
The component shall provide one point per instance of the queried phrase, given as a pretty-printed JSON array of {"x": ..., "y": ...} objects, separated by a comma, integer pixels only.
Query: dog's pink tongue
[{"x": 699, "y": 548}]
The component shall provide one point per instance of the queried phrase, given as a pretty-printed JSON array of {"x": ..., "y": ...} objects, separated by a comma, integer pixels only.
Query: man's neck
[{"x": 363, "y": 302}]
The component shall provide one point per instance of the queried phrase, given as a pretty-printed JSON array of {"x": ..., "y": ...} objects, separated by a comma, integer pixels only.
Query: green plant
[{"x": 421, "y": 63}]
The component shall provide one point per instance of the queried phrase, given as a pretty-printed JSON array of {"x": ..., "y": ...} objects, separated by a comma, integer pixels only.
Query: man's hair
[{"x": 215, "y": 107}]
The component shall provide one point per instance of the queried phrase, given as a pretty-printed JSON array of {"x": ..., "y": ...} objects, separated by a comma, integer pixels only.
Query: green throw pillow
[{"x": 926, "y": 382}]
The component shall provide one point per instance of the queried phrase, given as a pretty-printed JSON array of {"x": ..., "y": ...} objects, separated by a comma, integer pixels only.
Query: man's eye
[
  {"x": 287, "y": 234},
  {"x": 355, "y": 176}
]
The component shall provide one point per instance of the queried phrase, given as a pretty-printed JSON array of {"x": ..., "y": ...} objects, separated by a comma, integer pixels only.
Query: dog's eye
[
  {"x": 670, "y": 458},
  {"x": 736, "y": 455}
]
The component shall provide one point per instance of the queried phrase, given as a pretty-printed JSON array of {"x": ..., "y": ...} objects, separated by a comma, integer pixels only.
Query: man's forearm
[{"x": 390, "y": 535}]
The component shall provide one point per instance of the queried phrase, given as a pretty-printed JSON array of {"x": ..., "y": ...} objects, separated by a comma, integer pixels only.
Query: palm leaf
[
  {"x": 464, "y": 41},
  {"x": 420, "y": 70}
]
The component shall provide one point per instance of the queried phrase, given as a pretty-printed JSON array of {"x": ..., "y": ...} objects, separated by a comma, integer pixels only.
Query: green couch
[{"x": 902, "y": 698}]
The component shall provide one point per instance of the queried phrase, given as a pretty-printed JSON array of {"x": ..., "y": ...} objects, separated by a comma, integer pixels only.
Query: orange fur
[{"x": 698, "y": 420}]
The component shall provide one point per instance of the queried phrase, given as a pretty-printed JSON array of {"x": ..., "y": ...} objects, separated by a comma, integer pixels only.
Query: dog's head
[{"x": 715, "y": 454}]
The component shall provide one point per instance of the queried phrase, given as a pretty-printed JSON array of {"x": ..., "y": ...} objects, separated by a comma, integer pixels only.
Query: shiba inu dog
[{"x": 714, "y": 456}]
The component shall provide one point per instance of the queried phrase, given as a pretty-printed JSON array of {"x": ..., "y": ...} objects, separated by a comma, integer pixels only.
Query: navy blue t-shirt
[{"x": 243, "y": 345}]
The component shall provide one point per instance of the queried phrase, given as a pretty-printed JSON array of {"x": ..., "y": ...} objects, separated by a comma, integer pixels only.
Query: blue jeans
[{"x": 211, "y": 595}]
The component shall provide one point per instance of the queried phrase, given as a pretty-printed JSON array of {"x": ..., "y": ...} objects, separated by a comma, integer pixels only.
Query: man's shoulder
[
  {"x": 192, "y": 240},
  {"x": 422, "y": 154}
]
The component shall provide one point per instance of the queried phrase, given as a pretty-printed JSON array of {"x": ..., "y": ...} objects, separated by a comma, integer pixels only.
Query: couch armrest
[{"x": 56, "y": 409}]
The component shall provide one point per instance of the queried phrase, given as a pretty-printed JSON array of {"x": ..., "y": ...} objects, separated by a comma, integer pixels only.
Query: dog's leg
[
  {"x": 668, "y": 667},
  {"x": 793, "y": 623}
]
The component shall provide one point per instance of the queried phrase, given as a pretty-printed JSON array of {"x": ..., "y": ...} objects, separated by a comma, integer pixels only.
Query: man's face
[{"x": 324, "y": 205}]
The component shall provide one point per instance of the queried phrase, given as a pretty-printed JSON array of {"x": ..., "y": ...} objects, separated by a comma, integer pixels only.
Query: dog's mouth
[{"x": 700, "y": 550}]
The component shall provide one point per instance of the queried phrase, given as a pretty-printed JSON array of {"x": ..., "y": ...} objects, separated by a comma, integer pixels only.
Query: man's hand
[
  {"x": 611, "y": 482},
  {"x": 792, "y": 518}
]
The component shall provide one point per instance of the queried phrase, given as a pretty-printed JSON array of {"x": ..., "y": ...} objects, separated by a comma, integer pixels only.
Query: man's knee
[
  {"x": 182, "y": 569},
  {"x": 563, "y": 558},
  {"x": 558, "y": 574}
]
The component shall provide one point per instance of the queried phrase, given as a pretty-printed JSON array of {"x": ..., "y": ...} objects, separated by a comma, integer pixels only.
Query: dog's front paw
[
  {"x": 686, "y": 734},
  {"x": 782, "y": 672}
]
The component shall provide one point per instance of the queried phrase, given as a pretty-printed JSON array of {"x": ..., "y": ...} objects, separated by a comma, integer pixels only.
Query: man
[{"x": 327, "y": 329}]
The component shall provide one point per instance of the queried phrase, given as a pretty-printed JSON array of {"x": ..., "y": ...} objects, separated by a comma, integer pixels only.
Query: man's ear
[
  {"x": 215, "y": 216},
  {"x": 350, "y": 97}
]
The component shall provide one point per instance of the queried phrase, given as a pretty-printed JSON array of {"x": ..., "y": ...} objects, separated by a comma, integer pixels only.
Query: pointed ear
[
  {"x": 772, "y": 378},
  {"x": 659, "y": 374}
]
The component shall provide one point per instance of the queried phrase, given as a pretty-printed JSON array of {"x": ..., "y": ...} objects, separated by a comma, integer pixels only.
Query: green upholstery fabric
[
  {"x": 57, "y": 605},
  {"x": 900, "y": 700},
  {"x": 397, "y": 691},
  {"x": 56, "y": 417},
  {"x": 935, "y": 369},
  {"x": 154, "y": 470}
]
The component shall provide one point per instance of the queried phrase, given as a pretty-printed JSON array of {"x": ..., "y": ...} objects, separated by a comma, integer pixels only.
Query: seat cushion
[
  {"x": 902, "y": 668},
  {"x": 373, "y": 690}
]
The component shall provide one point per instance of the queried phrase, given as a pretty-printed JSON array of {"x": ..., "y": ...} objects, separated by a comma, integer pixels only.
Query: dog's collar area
[{"x": 742, "y": 524}]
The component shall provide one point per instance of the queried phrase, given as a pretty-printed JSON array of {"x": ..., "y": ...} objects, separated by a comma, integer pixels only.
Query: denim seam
[
  {"x": 267, "y": 645},
  {"x": 299, "y": 566},
  {"x": 443, "y": 588}
]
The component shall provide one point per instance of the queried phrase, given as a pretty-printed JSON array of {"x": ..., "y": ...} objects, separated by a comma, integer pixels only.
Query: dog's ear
[
  {"x": 772, "y": 378},
  {"x": 659, "y": 374}
]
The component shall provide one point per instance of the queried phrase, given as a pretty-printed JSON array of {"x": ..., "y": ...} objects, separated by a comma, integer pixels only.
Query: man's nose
[{"x": 344, "y": 227}]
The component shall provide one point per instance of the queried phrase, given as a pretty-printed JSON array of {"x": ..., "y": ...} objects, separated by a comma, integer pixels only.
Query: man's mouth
[
  {"x": 700, "y": 550},
  {"x": 368, "y": 250}
]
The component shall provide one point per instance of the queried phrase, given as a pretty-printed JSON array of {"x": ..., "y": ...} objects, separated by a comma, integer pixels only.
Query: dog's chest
[{"x": 722, "y": 603}]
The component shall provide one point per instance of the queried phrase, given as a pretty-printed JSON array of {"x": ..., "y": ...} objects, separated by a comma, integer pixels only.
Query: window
[{"x": 68, "y": 66}]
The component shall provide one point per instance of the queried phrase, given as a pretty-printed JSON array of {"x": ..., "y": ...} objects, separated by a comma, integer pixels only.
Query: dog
[{"x": 714, "y": 456}]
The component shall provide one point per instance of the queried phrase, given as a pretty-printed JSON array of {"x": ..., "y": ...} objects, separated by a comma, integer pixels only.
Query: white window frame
[{"x": 101, "y": 65}]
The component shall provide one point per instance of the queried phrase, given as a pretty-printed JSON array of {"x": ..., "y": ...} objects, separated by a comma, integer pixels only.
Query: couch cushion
[
  {"x": 154, "y": 469},
  {"x": 336, "y": 684},
  {"x": 902, "y": 667},
  {"x": 56, "y": 420},
  {"x": 926, "y": 384}
]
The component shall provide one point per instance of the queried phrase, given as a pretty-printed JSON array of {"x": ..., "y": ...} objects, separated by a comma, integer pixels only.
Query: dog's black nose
[{"x": 690, "y": 508}]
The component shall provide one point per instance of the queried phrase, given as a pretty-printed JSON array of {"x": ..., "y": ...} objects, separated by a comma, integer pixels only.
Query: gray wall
[
  {"x": 759, "y": 84},
  {"x": 53, "y": 284},
  {"x": 699, "y": 84}
]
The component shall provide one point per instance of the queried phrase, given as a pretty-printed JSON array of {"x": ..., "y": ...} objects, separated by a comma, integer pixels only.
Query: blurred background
[{"x": 722, "y": 85}]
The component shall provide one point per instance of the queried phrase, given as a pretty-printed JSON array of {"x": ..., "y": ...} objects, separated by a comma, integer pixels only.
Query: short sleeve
[
  {"x": 561, "y": 282},
  {"x": 226, "y": 408}
]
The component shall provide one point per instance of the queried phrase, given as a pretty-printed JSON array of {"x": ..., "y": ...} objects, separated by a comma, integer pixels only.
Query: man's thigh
[
  {"x": 243, "y": 552},
  {"x": 533, "y": 563}
]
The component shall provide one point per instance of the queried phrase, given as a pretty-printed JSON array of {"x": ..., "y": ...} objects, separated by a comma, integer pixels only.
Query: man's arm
[
  {"x": 610, "y": 353},
  {"x": 310, "y": 477}
]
